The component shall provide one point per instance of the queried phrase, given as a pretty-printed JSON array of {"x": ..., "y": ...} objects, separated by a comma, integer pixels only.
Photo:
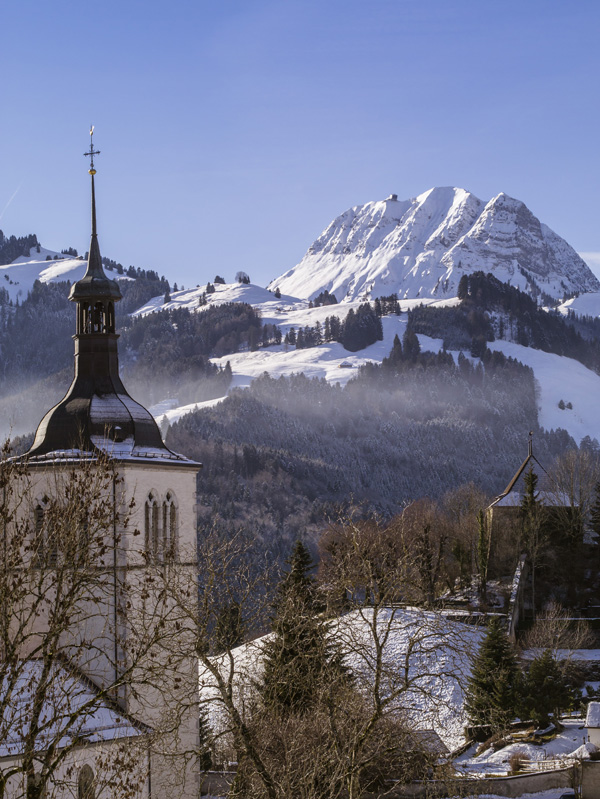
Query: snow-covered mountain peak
[{"x": 421, "y": 247}]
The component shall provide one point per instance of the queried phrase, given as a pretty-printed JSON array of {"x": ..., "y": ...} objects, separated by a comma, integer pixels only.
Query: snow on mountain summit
[{"x": 421, "y": 248}]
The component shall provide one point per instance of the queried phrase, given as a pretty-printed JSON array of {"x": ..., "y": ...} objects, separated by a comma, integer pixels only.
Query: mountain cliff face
[{"x": 422, "y": 247}]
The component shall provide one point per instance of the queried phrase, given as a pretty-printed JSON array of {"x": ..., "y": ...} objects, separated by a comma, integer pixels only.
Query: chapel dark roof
[
  {"x": 511, "y": 496},
  {"x": 97, "y": 413}
]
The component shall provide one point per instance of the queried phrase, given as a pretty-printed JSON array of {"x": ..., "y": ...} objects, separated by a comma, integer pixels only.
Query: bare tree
[
  {"x": 572, "y": 482},
  {"x": 461, "y": 508},
  {"x": 231, "y": 576},
  {"x": 352, "y": 733},
  {"x": 66, "y": 664},
  {"x": 400, "y": 656},
  {"x": 554, "y": 629}
]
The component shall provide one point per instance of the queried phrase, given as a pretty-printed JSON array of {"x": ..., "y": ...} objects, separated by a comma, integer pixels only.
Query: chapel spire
[
  {"x": 97, "y": 413},
  {"x": 95, "y": 294}
]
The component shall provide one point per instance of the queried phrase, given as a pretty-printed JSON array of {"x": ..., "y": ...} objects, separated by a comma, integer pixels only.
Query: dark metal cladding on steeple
[
  {"x": 95, "y": 283},
  {"x": 97, "y": 413}
]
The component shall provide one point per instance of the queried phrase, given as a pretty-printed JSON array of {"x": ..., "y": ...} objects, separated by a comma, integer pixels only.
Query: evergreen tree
[
  {"x": 277, "y": 293},
  {"x": 205, "y": 741},
  {"x": 253, "y": 339},
  {"x": 299, "y": 661},
  {"x": 395, "y": 357},
  {"x": 546, "y": 689},
  {"x": 463, "y": 288},
  {"x": 492, "y": 694},
  {"x": 532, "y": 525},
  {"x": 410, "y": 345}
]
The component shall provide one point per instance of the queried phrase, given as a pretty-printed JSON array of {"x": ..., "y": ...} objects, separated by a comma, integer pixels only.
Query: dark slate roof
[
  {"x": 511, "y": 496},
  {"x": 99, "y": 415}
]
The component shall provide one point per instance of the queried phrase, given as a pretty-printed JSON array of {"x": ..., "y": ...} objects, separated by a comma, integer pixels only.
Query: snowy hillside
[
  {"x": 558, "y": 377},
  {"x": 19, "y": 276},
  {"x": 421, "y": 247},
  {"x": 427, "y": 644},
  {"x": 227, "y": 292},
  {"x": 587, "y": 304}
]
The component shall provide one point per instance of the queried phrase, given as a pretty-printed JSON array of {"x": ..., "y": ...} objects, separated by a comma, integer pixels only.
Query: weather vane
[{"x": 92, "y": 152}]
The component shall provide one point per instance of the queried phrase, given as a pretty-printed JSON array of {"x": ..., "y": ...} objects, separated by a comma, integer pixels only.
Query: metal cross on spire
[{"x": 92, "y": 152}]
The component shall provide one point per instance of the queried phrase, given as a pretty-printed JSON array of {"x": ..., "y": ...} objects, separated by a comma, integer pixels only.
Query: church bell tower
[{"x": 152, "y": 486}]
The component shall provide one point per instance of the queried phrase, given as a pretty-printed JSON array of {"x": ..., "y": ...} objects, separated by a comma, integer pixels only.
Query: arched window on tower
[
  {"x": 152, "y": 539},
  {"x": 44, "y": 542},
  {"x": 99, "y": 318},
  {"x": 170, "y": 526},
  {"x": 85, "y": 783}
]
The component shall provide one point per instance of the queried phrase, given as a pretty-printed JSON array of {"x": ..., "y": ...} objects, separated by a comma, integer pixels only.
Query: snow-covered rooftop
[
  {"x": 438, "y": 652},
  {"x": 592, "y": 718},
  {"x": 72, "y": 710}
]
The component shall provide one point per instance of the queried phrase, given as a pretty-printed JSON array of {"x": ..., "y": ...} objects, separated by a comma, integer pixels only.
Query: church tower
[
  {"x": 97, "y": 413},
  {"x": 155, "y": 489}
]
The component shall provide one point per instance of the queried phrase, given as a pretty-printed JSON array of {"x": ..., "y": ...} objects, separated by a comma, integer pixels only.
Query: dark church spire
[
  {"x": 95, "y": 294},
  {"x": 97, "y": 412}
]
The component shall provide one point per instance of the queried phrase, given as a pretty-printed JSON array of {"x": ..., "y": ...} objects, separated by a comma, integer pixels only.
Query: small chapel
[{"x": 140, "y": 686}]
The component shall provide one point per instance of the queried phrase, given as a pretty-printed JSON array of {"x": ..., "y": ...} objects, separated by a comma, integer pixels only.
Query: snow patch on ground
[
  {"x": 568, "y": 744},
  {"x": 587, "y": 304}
]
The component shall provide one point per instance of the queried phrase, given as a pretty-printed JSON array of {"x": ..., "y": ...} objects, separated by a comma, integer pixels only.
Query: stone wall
[
  {"x": 590, "y": 779},
  {"x": 510, "y": 787}
]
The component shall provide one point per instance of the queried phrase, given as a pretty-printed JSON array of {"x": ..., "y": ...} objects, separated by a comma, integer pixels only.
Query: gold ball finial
[{"x": 91, "y": 171}]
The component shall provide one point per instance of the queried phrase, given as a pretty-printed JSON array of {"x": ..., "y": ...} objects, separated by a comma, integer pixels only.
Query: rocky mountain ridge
[{"x": 420, "y": 248}]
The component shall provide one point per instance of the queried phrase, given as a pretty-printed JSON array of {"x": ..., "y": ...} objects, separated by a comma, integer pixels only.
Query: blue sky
[{"x": 233, "y": 132}]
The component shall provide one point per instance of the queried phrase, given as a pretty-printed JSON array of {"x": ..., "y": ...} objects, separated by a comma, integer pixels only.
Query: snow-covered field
[
  {"x": 561, "y": 378},
  {"x": 19, "y": 276}
]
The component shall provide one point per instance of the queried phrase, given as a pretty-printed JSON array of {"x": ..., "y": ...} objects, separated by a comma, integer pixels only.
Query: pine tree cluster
[
  {"x": 12, "y": 247},
  {"x": 358, "y": 330}
]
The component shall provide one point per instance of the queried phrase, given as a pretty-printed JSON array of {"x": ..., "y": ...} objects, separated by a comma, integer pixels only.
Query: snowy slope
[
  {"x": 18, "y": 278},
  {"x": 229, "y": 292},
  {"x": 587, "y": 304},
  {"x": 561, "y": 378},
  {"x": 436, "y": 651},
  {"x": 421, "y": 247},
  {"x": 558, "y": 377}
]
